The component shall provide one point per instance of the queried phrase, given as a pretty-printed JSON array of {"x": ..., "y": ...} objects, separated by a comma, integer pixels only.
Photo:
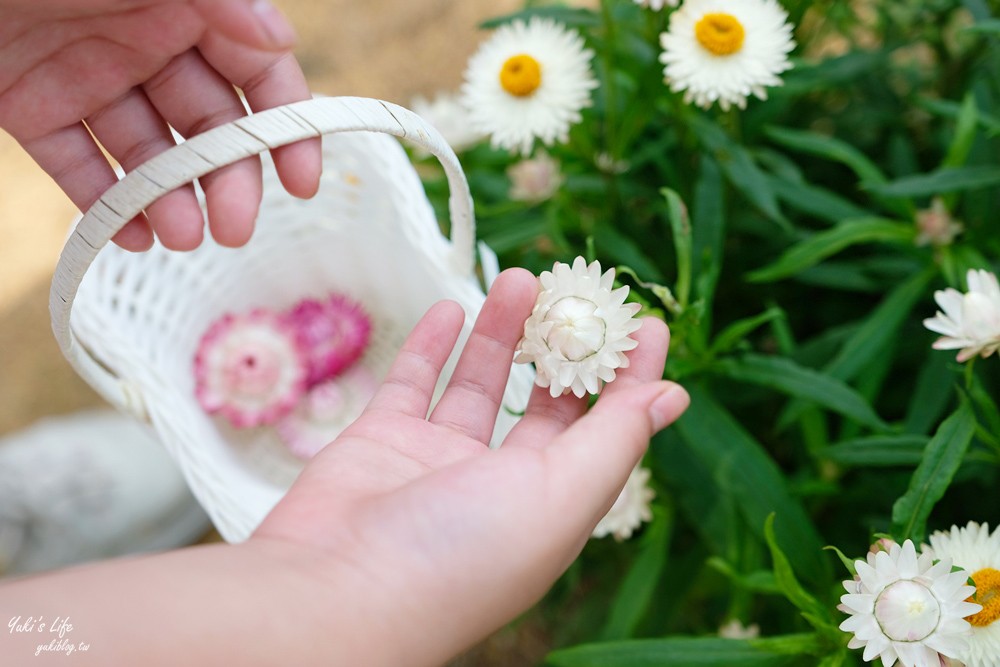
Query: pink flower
[
  {"x": 326, "y": 411},
  {"x": 335, "y": 332},
  {"x": 251, "y": 369}
]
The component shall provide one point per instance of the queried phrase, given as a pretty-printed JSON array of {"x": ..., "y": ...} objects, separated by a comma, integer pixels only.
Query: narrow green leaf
[
  {"x": 965, "y": 133},
  {"x": 761, "y": 581},
  {"x": 927, "y": 402},
  {"x": 847, "y": 562},
  {"x": 737, "y": 331},
  {"x": 878, "y": 451},
  {"x": 787, "y": 582},
  {"x": 987, "y": 27},
  {"x": 783, "y": 374},
  {"x": 636, "y": 590},
  {"x": 680, "y": 225},
  {"x": 687, "y": 652},
  {"x": 953, "y": 179},
  {"x": 742, "y": 470},
  {"x": 818, "y": 202},
  {"x": 624, "y": 250},
  {"x": 824, "y": 244},
  {"x": 829, "y": 148},
  {"x": 932, "y": 477}
]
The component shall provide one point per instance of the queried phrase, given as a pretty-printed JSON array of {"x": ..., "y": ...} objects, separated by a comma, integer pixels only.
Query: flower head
[
  {"x": 907, "y": 608},
  {"x": 251, "y": 369},
  {"x": 976, "y": 550},
  {"x": 535, "y": 179},
  {"x": 657, "y": 5},
  {"x": 725, "y": 50},
  {"x": 631, "y": 507},
  {"x": 935, "y": 225},
  {"x": 326, "y": 411},
  {"x": 449, "y": 117},
  {"x": 529, "y": 80},
  {"x": 335, "y": 332},
  {"x": 578, "y": 332},
  {"x": 970, "y": 322}
]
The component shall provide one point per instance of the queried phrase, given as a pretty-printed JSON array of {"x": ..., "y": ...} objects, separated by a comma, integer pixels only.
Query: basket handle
[{"x": 218, "y": 147}]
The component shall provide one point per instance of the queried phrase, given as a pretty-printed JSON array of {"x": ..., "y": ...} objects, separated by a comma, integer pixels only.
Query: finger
[
  {"x": 232, "y": 193},
  {"x": 75, "y": 162},
  {"x": 132, "y": 131},
  {"x": 256, "y": 23},
  {"x": 598, "y": 452},
  {"x": 409, "y": 385},
  {"x": 472, "y": 399},
  {"x": 546, "y": 417},
  {"x": 270, "y": 80}
]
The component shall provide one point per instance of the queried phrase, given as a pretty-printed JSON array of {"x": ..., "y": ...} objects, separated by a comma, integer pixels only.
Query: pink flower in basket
[
  {"x": 335, "y": 332},
  {"x": 326, "y": 411},
  {"x": 251, "y": 369}
]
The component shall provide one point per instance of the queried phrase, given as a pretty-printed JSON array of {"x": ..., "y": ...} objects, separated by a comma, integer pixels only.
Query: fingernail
[
  {"x": 668, "y": 406},
  {"x": 275, "y": 25}
]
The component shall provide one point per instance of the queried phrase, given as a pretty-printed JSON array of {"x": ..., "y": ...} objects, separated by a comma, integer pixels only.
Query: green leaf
[
  {"x": 708, "y": 231},
  {"x": 739, "y": 167},
  {"x": 829, "y": 148},
  {"x": 847, "y": 562},
  {"x": 824, "y": 244},
  {"x": 965, "y": 133},
  {"x": 878, "y": 451},
  {"x": 636, "y": 590},
  {"x": 818, "y": 202},
  {"x": 680, "y": 225},
  {"x": 688, "y": 652},
  {"x": 761, "y": 581},
  {"x": 737, "y": 331},
  {"x": 789, "y": 585},
  {"x": 927, "y": 402},
  {"x": 953, "y": 179},
  {"x": 743, "y": 471},
  {"x": 572, "y": 16},
  {"x": 624, "y": 250},
  {"x": 932, "y": 477},
  {"x": 783, "y": 374},
  {"x": 987, "y": 27}
]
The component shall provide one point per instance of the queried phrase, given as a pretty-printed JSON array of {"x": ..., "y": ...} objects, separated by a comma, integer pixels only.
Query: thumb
[{"x": 256, "y": 23}]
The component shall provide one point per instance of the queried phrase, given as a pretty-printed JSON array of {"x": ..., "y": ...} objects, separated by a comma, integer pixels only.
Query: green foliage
[{"x": 782, "y": 244}]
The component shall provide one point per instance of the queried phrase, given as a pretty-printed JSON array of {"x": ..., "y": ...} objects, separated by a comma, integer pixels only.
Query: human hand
[
  {"x": 423, "y": 532},
  {"x": 124, "y": 70}
]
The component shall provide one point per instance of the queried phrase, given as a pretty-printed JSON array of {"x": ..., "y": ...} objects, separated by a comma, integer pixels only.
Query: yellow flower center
[
  {"x": 521, "y": 75},
  {"x": 987, "y": 583},
  {"x": 722, "y": 34}
]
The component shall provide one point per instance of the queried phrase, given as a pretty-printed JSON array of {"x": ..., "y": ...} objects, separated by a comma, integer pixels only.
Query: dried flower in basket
[
  {"x": 326, "y": 410},
  {"x": 335, "y": 332},
  {"x": 578, "y": 332},
  {"x": 250, "y": 369}
]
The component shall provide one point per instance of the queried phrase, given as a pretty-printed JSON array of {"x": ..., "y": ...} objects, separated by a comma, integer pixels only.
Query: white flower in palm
[
  {"x": 578, "y": 332},
  {"x": 535, "y": 179},
  {"x": 725, "y": 50},
  {"x": 970, "y": 322},
  {"x": 631, "y": 507},
  {"x": 907, "y": 608},
  {"x": 657, "y": 5},
  {"x": 975, "y": 549},
  {"x": 529, "y": 80},
  {"x": 449, "y": 117}
]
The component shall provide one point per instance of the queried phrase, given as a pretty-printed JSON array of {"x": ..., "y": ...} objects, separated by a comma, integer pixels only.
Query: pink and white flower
[{"x": 335, "y": 332}]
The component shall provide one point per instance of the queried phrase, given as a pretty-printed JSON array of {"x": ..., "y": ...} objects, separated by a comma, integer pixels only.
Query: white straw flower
[
  {"x": 970, "y": 322},
  {"x": 631, "y": 507},
  {"x": 578, "y": 332},
  {"x": 725, "y": 50},
  {"x": 535, "y": 179},
  {"x": 907, "y": 608},
  {"x": 529, "y": 80},
  {"x": 975, "y": 549},
  {"x": 935, "y": 226},
  {"x": 449, "y": 117},
  {"x": 657, "y": 5}
]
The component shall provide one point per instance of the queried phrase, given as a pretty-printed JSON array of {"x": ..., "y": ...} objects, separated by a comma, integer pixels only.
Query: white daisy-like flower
[
  {"x": 734, "y": 629},
  {"x": 529, "y": 80},
  {"x": 976, "y": 550},
  {"x": 449, "y": 117},
  {"x": 908, "y": 608},
  {"x": 970, "y": 322},
  {"x": 657, "y": 5},
  {"x": 535, "y": 179},
  {"x": 725, "y": 50},
  {"x": 578, "y": 332},
  {"x": 631, "y": 507}
]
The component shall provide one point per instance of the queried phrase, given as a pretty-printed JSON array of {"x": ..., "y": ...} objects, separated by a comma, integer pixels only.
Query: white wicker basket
[{"x": 130, "y": 323}]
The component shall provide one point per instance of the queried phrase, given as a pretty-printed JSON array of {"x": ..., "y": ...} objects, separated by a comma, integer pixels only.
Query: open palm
[
  {"x": 125, "y": 72},
  {"x": 434, "y": 522}
]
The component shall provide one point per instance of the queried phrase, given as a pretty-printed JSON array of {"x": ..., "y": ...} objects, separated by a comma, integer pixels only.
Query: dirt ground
[{"x": 391, "y": 49}]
